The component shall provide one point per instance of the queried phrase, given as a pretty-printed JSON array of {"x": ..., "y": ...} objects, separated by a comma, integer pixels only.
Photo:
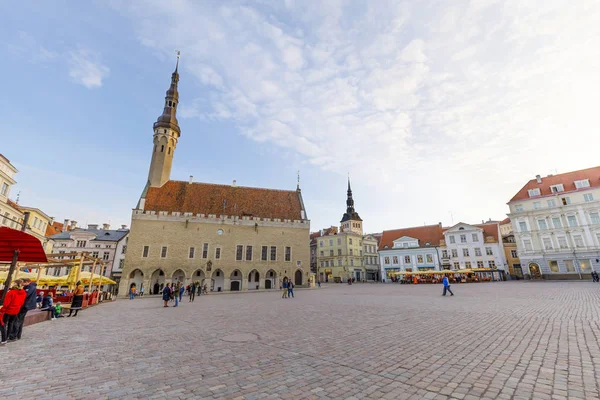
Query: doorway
[{"x": 534, "y": 270}]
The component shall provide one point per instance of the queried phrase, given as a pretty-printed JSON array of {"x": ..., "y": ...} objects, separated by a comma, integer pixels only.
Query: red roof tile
[
  {"x": 207, "y": 198},
  {"x": 489, "y": 230},
  {"x": 54, "y": 229},
  {"x": 428, "y": 233},
  {"x": 505, "y": 221},
  {"x": 13, "y": 204},
  {"x": 567, "y": 179}
]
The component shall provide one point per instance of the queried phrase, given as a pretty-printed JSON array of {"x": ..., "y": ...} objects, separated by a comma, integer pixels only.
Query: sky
[{"x": 439, "y": 111}]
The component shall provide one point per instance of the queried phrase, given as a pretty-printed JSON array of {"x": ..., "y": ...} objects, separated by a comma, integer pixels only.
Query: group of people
[
  {"x": 174, "y": 292},
  {"x": 18, "y": 300},
  {"x": 288, "y": 289}
]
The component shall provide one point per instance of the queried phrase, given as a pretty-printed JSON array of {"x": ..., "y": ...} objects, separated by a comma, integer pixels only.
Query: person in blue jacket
[
  {"x": 446, "y": 283},
  {"x": 285, "y": 286},
  {"x": 166, "y": 294}
]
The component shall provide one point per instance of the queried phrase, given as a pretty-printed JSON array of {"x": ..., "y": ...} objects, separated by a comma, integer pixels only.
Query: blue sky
[{"x": 432, "y": 107}]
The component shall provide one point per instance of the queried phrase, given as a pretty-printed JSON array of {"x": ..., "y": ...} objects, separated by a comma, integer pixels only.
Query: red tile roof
[
  {"x": 428, "y": 233},
  {"x": 567, "y": 179},
  {"x": 207, "y": 198},
  {"x": 54, "y": 229},
  {"x": 505, "y": 221},
  {"x": 13, "y": 204},
  {"x": 489, "y": 230},
  {"x": 327, "y": 231}
]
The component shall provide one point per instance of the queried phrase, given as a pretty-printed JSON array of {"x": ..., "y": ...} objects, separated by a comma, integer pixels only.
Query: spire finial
[
  {"x": 298, "y": 185},
  {"x": 177, "y": 65}
]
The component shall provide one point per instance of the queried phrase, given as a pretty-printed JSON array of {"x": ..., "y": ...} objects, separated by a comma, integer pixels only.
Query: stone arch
[
  {"x": 271, "y": 279},
  {"x": 298, "y": 277},
  {"x": 198, "y": 276},
  {"x": 178, "y": 276},
  {"x": 534, "y": 270},
  {"x": 157, "y": 281},
  {"x": 235, "y": 280},
  {"x": 254, "y": 280},
  {"x": 217, "y": 281},
  {"x": 136, "y": 278}
]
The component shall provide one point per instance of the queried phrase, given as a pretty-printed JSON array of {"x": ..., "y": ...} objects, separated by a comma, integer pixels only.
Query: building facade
[
  {"x": 99, "y": 243},
  {"x": 371, "y": 257},
  {"x": 340, "y": 255},
  {"x": 226, "y": 237},
  {"x": 410, "y": 250},
  {"x": 467, "y": 246},
  {"x": 510, "y": 249},
  {"x": 10, "y": 215},
  {"x": 556, "y": 223}
]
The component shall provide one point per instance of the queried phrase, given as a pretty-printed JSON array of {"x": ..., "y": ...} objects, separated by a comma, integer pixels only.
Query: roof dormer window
[
  {"x": 557, "y": 188},
  {"x": 534, "y": 192},
  {"x": 582, "y": 183}
]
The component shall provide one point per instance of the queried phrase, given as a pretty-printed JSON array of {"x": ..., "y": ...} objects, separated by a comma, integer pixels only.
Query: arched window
[
  {"x": 162, "y": 148},
  {"x": 169, "y": 150},
  {"x": 155, "y": 148},
  {"x": 170, "y": 103}
]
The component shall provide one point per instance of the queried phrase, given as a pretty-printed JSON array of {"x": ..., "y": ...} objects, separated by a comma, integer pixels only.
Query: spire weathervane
[
  {"x": 298, "y": 185},
  {"x": 177, "y": 65}
]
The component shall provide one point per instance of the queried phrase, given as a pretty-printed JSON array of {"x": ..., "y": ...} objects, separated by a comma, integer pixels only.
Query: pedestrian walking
[
  {"x": 77, "y": 303},
  {"x": 166, "y": 292},
  {"x": 319, "y": 283},
  {"x": 142, "y": 292},
  {"x": 181, "y": 290},
  {"x": 30, "y": 304},
  {"x": 132, "y": 292},
  {"x": 446, "y": 283},
  {"x": 192, "y": 292},
  {"x": 284, "y": 286},
  {"x": 290, "y": 289},
  {"x": 13, "y": 302}
]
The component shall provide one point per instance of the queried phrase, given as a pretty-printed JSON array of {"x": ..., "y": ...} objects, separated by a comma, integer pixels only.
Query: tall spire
[
  {"x": 168, "y": 119},
  {"x": 350, "y": 214}
]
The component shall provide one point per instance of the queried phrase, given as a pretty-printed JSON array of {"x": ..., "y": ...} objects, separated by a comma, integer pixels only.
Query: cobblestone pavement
[{"x": 510, "y": 340}]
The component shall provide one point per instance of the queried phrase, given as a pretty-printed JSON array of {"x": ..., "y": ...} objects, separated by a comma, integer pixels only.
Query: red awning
[{"x": 30, "y": 248}]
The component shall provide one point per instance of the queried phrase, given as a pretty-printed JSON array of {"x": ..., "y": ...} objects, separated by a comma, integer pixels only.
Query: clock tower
[{"x": 166, "y": 135}]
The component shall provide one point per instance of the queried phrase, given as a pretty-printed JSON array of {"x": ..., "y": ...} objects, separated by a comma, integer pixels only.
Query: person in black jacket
[{"x": 30, "y": 304}]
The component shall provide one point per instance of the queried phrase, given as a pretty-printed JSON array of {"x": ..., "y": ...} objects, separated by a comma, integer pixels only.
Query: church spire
[
  {"x": 166, "y": 135},
  {"x": 168, "y": 119},
  {"x": 351, "y": 214}
]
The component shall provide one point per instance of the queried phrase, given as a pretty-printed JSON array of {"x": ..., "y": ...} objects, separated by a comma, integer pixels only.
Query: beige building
[
  {"x": 556, "y": 222},
  {"x": 371, "y": 257},
  {"x": 227, "y": 237},
  {"x": 10, "y": 215},
  {"x": 340, "y": 255}
]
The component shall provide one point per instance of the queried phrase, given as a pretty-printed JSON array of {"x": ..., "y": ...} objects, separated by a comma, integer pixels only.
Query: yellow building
[
  {"x": 510, "y": 249},
  {"x": 340, "y": 255},
  {"x": 226, "y": 237},
  {"x": 38, "y": 225}
]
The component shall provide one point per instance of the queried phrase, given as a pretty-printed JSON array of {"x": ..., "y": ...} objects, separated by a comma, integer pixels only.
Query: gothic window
[
  {"x": 169, "y": 150},
  {"x": 162, "y": 148}
]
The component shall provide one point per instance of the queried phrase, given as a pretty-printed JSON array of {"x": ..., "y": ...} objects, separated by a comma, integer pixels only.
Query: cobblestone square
[{"x": 509, "y": 340}]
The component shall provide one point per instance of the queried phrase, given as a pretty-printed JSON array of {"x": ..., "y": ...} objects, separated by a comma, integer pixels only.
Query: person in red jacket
[{"x": 14, "y": 300}]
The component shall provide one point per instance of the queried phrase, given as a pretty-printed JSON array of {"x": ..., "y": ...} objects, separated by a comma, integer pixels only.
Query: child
[{"x": 58, "y": 310}]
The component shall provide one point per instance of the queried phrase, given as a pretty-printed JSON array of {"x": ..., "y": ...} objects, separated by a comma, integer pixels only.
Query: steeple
[
  {"x": 351, "y": 221},
  {"x": 168, "y": 119},
  {"x": 166, "y": 135}
]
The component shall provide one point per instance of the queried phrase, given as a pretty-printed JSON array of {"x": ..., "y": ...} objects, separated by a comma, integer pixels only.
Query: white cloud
[
  {"x": 455, "y": 106},
  {"x": 85, "y": 68}
]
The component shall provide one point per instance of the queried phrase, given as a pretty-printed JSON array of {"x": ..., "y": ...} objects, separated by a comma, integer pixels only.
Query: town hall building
[{"x": 227, "y": 237}]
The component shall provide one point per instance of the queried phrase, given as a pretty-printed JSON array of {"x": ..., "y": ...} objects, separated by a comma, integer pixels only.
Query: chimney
[
  {"x": 538, "y": 178},
  {"x": 123, "y": 226},
  {"x": 73, "y": 224},
  {"x": 234, "y": 183},
  {"x": 191, "y": 179},
  {"x": 440, "y": 224},
  {"x": 93, "y": 226},
  {"x": 106, "y": 226},
  {"x": 65, "y": 225}
]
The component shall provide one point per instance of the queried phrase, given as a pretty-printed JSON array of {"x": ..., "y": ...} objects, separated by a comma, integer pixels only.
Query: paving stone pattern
[{"x": 509, "y": 340}]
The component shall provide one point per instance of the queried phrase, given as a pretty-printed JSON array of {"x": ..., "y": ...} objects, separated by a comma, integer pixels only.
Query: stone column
[
  {"x": 146, "y": 285},
  {"x": 226, "y": 284},
  {"x": 245, "y": 284},
  {"x": 261, "y": 283}
]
